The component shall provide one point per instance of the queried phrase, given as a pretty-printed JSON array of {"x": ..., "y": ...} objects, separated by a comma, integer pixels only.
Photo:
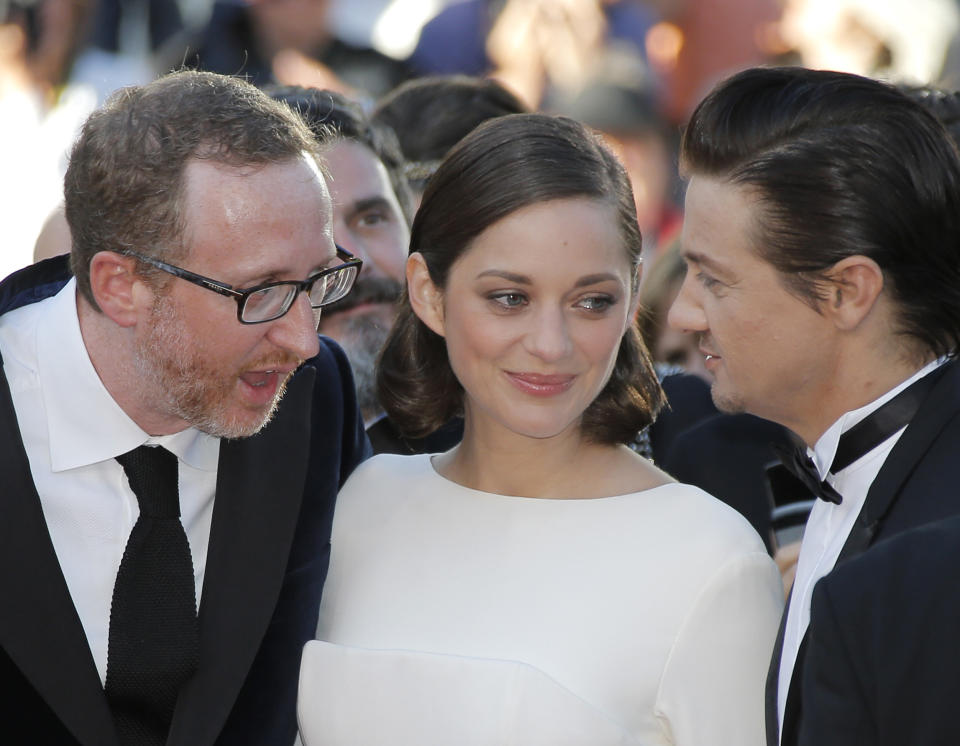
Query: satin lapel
[
  {"x": 39, "y": 628},
  {"x": 773, "y": 680},
  {"x": 936, "y": 411},
  {"x": 793, "y": 711},
  {"x": 260, "y": 482}
]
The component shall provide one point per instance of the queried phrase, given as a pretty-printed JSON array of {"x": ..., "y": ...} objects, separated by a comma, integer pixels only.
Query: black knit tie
[{"x": 154, "y": 641}]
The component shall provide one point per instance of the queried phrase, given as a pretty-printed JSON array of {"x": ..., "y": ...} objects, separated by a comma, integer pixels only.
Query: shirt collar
[
  {"x": 825, "y": 449},
  {"x": 85, "y": 423}
]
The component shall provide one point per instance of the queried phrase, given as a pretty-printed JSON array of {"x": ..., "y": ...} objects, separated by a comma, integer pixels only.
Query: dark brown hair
[
  {"x": 841, "y": 165},
  {"x": 124, "y": 185},
  {"x": 506, "y": 164}
]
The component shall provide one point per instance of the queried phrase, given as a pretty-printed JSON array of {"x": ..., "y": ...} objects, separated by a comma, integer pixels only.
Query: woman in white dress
[{"x": 539, "y": 583}]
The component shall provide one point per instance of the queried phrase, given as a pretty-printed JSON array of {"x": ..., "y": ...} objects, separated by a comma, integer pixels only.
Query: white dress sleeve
[{"x": 712, "y": 689}]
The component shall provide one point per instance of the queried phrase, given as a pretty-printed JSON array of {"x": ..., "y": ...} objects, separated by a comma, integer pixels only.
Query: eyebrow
[
  {"x": 524, "y": 280},
  {"x": 367, "y": 203},
  {"x": 704, "y": 260}
]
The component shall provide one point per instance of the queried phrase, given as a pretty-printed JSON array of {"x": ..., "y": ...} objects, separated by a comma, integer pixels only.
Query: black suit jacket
[
  {"x": 881, "y": 666},
  {"x": 266, "y": 564},
  {"x": 916, "y": 485}
]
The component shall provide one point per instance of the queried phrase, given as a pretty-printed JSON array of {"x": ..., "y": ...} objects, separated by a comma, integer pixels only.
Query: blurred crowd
[{"x": 631, "y": 68}]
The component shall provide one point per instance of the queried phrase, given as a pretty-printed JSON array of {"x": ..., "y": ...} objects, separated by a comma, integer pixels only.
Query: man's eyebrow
[
  {"x": 367, "y": 203},
  {"x": 703, "y": 260}
]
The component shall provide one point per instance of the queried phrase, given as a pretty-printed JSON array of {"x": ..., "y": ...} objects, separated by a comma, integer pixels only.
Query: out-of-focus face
[
  {"x": 299, "y": 25},
  {"x": 767, "y": 350},
  {"x": 533, "y": 314},
  {"x": 196, "y": 363},
  {"x": 680, "y": 348},
  {"x": 368, "y": 222}
]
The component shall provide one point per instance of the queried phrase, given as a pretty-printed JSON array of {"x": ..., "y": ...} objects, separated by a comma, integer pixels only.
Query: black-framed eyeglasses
[{"x": 273, "y": 299}]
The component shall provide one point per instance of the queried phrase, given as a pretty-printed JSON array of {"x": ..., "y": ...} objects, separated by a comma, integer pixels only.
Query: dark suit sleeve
[
  {"x": 355, "y": 446},
  {"x": 265, "y": 712},
  {"x": 837, "y": 704},
  {"x": 881, "y": 665}
]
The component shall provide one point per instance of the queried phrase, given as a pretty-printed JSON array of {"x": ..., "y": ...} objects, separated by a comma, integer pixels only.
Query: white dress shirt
[
  {"x": 72, "y": 431},
  {"x": 829, "y": 525}
]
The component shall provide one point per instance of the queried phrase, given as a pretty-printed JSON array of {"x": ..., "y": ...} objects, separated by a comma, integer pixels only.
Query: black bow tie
[
  {"x": 795, "y": 460},
  {"x": 856, "y": 442}
]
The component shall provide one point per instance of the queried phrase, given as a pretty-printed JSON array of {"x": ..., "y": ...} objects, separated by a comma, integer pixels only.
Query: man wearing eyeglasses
[{"x": 180, "y": 362}]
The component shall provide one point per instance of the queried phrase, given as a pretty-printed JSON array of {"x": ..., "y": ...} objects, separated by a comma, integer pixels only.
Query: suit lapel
[
  {"x": 771, "y": 714},
  {"x": 40, "y": 629},
  {"x": 260, "y": 482},
  {"x": 793, "y": 710},
  {"x": 932, "y": 417},
  {"x": 923, "y": 429}
]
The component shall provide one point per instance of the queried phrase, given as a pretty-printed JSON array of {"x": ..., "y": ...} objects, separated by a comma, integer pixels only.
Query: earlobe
[
  {"x": 856, "y": 283},
  {"x": 425, "y": 297},
  {"x": 115, "y": 286}
]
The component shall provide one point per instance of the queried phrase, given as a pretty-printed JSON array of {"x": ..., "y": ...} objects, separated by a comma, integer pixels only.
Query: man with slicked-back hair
[{"x": 822, "y": 242}]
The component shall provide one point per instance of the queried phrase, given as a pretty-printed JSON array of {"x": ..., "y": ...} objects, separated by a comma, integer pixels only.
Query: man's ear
[
  {"x": 116, "y": 287},
  {"x": 855, "y": 283},
  {"x": 425, "y": 297}
]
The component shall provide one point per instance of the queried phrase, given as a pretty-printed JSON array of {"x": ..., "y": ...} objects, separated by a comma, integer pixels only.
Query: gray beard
[{"x": 362, "y": 339}]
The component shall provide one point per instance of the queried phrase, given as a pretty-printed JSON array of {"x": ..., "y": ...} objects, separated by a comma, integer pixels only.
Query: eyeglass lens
[
  {"x": 274, "y": 301},
  {"x": 332, "y": 287}
]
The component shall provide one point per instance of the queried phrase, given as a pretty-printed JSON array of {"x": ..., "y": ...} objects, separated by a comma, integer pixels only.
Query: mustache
[
  {"x": 272, "y": 361},
  {"x": 367, "y": 290}
]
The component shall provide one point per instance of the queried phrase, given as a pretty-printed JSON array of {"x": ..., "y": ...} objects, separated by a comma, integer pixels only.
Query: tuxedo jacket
[
  {"x": 266, "y": 564},
  {"x": 916, "y": 485},
  {"x": 881, "y": 666}
]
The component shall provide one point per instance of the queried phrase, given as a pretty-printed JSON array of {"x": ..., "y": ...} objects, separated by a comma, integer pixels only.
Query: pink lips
[{"x": 538, "y": 384}]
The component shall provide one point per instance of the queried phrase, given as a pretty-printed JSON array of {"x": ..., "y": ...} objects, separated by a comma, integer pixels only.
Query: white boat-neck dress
[{"x": 458, "y": 617}]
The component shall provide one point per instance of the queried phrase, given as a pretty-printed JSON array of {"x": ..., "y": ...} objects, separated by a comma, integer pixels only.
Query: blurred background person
[
  {"x": 39, "y": 117},
  {"x": 430, "y": 115},
  {"x": 290, "y": 42},
  {"x": 622, "y": 104},
  {"x": 532, "y": 46},
  {"x": 659, "y": 288}
]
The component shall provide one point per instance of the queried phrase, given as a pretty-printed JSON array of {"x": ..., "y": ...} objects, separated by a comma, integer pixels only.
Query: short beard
[
  {"x": 362, "y": 339},
  {"x": 189, "y": 387}
]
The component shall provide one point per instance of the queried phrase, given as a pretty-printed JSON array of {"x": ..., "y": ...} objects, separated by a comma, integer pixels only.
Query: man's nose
[
  {"x": 686, "y": 314},
  {"x": 296, "y": 331}
]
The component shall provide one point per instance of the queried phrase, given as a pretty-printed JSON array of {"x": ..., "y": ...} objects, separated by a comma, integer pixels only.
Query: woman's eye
[
  {"x": 596, "y": 303},
  {"x": 509, "y": 300}
]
